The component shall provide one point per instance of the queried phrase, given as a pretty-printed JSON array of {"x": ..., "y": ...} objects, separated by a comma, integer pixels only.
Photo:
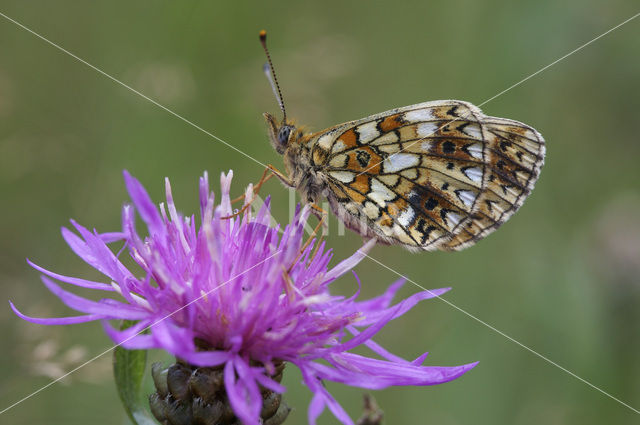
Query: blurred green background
[{"x": 562, "y": 277}]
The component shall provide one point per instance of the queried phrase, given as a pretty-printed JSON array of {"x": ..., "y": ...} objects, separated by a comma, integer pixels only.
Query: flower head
[{"x": 240, "y": 294}]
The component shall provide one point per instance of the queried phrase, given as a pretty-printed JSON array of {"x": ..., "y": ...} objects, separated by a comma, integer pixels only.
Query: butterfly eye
[{"x": 283, "y": 135}]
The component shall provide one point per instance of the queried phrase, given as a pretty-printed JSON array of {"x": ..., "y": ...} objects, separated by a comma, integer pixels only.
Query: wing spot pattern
[{"x": 467, "y": 177}]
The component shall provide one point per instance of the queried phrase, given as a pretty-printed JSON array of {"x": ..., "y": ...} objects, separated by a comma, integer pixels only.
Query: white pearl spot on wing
[
  {"x": 367, "y": 132},
  {"x": 473, "y": 130},
  {"x": 325, "y": 141},
  {"x": 475, "y": 150},
  {"x": 338, "y": 146},
  {"x": 371, "y": 210},
  {"x": 453, "y": 218},
  {"x": 474, "y": 174},
  {"x": 426, "y": 129},
  {"x": 406, "y": 218},
  {"x": 467, "y": 196},
  {"x": 418, "y": 115},
  {"x": 380, "y": 193},
  {"x": 343, "y": 176},
  {"x": 400, "y": 161}
]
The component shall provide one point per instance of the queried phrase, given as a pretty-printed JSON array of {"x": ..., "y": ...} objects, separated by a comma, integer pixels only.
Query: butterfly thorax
[
  {"x": 303, "y": 173},
  {"x": 293, "y": 143}
]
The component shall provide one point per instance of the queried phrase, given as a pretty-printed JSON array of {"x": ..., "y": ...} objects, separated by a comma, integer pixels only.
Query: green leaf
[{"x": 128, "y": 370}]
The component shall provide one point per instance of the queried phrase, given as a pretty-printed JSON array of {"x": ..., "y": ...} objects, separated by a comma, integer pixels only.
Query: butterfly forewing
[{"x": 437, "y": 175}]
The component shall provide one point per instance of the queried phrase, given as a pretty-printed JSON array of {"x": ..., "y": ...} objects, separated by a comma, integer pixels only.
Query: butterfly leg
[
  {"x": 266, "y": 176},
  {"x": 322, "y": 217},
  {"x": 268, "y": 173},
  {"x": 280, "y": 175},
  {"x": 321, "y": 223},
  {"x": 288, "y": 284}
]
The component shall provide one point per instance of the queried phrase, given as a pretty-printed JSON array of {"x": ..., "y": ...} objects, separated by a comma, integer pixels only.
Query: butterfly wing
[{"x": 436, "y": 175}]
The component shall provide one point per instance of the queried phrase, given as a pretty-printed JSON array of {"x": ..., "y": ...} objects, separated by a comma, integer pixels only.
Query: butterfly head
[{"x": 280, "y": 133}]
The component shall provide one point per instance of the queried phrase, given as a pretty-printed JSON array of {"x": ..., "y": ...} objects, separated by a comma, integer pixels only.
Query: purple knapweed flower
[{"x": 239, "y": 294}]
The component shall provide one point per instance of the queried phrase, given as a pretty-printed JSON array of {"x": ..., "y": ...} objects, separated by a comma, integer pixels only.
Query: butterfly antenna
[{"x": 271, "y": 74}]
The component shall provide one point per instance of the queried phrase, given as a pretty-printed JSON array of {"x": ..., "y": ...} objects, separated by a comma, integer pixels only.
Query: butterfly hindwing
[
  {"x": 437, "y": 175},
  {"x": 515, "y": 157}
]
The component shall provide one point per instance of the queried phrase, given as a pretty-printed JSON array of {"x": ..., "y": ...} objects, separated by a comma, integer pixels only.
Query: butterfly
[{"x": 435, "y": 175}]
